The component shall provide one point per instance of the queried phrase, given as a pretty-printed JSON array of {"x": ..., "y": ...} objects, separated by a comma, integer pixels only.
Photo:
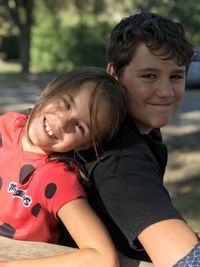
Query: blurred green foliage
[
  {"x": 69, "y": 33},
  {"x": 89, "y": 38},
  {"x": 61, "y": 44},
  {"x": 46, "y": 43},
  {"x": 187, "y": 12}
]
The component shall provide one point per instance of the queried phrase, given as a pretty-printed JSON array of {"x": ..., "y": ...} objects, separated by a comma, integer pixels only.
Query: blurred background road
[{"x": 16, "y": 95}]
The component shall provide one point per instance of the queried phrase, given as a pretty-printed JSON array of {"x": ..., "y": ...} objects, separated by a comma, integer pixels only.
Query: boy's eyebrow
[
  {"x": 149, "y": 69},
  {"x": 180, "y": 70}
]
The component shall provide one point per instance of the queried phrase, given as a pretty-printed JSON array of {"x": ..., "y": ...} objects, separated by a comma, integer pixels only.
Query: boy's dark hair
[{"x": 155, "y": 31}]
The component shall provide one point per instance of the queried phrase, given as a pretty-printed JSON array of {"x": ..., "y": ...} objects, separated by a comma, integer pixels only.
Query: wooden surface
[{"x": 15, "y": 249}]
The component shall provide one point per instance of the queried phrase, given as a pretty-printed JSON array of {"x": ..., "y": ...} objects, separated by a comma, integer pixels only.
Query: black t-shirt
[{"x": 127, "y": 189}]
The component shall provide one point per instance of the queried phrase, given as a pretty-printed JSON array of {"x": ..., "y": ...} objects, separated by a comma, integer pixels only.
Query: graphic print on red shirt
[{"x": 32, "y": 190}]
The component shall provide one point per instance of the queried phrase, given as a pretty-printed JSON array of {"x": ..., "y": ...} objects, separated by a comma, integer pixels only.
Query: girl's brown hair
[{"x": 106, "y": 90}]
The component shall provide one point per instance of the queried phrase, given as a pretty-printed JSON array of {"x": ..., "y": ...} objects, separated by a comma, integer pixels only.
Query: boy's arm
[
  {"x": 168, "y": 241},
  {"x": 191, "y": 259}
]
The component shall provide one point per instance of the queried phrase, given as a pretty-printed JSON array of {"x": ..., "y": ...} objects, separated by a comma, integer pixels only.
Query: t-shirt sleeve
[
  {"x": 59, "y": 185},
  {"x": 131, "y": 188},
  {"x": 9, "y": 128}
]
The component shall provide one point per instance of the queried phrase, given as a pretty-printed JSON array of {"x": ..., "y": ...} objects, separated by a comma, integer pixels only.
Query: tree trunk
[
  {"x": 24, "y": 25},
  {"x": 25, "y": 52}
]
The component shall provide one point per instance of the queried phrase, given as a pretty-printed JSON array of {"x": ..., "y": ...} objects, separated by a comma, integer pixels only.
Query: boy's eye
[
  {"x": 177, "y": 77},
  {"x": 149, "y": 76}
]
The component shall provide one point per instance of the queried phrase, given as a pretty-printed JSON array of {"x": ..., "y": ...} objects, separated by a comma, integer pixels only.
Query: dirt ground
[{"x": 182, "y": 176}]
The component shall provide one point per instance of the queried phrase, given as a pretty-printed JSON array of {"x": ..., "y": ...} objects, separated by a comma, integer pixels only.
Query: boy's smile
[{"x": 155, "y": 88}]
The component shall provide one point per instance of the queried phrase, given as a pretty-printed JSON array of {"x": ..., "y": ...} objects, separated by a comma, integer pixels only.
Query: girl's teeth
[
  {"x": 48, "y": 129},
  {"x": 50, "y": 133}
]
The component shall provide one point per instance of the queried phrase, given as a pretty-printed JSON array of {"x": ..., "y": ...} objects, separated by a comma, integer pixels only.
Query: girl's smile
[
  {"x": 76, "y": 111},
  {"x": 62, "y": 125},
  {"x": 48, "y": 129}
]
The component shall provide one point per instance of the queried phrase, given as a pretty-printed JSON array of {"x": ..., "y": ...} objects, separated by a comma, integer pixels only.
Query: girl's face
[{"x": 63, "y": 125}]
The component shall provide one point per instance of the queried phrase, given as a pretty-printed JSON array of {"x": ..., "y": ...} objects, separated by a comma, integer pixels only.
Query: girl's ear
[{"x": 110, "y": 70}]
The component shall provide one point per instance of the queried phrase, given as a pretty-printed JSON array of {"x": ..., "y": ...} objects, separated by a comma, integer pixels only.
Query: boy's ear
[{"x": 110, "y": 70}]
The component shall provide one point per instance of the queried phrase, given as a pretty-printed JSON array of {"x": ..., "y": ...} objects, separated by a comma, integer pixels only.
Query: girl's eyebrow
[
  {"x": 71, "y": 98},
  {"x": 88, "y": 125}
]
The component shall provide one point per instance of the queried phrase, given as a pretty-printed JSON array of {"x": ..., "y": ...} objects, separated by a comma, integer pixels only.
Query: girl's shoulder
[
  {"x": 11, "y": 125},
  {"x": 13, "y": 118},
  {"x": 57, "y": 185},
  {"x": 60, "y": 169}
]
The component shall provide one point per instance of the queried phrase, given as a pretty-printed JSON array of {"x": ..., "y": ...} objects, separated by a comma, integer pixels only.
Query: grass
[{"x": 9, "y": 67}]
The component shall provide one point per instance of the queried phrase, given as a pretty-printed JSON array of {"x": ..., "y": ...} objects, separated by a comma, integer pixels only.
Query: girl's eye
[
  {"x": 80, "y": 128},
  {"x": 67, "y": 104}
]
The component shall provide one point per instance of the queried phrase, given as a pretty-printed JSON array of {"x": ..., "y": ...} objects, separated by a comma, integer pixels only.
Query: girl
[{"x": 39, "y": 181}]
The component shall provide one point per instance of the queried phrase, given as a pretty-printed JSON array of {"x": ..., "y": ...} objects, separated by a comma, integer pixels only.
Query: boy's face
[
  {"x": 155, "y": 88},
  {"x": 63, "y": 125}
]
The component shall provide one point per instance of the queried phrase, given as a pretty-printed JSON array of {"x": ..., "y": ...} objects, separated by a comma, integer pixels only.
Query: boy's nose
[{"x": 165, "y": 89}]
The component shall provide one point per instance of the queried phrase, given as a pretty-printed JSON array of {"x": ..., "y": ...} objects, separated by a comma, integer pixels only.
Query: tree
[
  {"x": 21, "y": 13},
  {"x": 47, "y": 50}
]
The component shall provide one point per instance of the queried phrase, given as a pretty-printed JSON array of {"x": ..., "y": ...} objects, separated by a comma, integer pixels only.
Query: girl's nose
[
  {"x": 65, "y": 121},
  {"x": 69, "y": 126}
]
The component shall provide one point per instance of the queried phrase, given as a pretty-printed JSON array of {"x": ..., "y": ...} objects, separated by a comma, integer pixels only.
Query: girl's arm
[{"x": 95, "y": 246}]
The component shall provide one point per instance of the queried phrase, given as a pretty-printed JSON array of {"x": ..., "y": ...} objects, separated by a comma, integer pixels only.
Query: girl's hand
[
  {"x": 3, "y": 263},
  {"x": 90, "y": 235},
  {"x": 95, "y": 246}
]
